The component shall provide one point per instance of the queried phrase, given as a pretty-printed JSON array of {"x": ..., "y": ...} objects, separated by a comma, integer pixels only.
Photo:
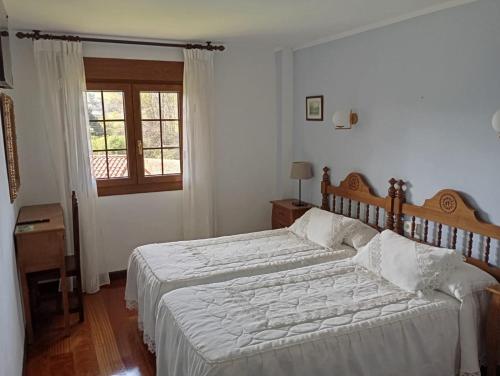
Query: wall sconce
[
  {"x": 495, "y": 122},
  {"x": 344, "y": 119}
]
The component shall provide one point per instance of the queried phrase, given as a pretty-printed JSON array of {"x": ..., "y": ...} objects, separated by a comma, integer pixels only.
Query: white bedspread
[
  {"x": 156, "y": 269},
  {"x": 328, "y": 319}
]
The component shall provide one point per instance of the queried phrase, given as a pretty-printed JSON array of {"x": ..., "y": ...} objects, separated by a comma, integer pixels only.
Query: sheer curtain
[
  {"x": 61, "y": 76},
  {"x": 198, "y": 190}
]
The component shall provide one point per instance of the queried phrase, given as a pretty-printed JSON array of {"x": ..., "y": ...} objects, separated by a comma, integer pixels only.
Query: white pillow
[
  {"x": 299, "y": 227},
  {"x": 358, "y": 234},
  {"x": 410, "y": 265},
  {"x": 369, "y": 255},
  {"x": 466, "y": 280},
  {"x": 322, "y": 227}
]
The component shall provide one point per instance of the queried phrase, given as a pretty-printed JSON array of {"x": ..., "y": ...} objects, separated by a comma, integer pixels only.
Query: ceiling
[{"x": 291, "y": 23}]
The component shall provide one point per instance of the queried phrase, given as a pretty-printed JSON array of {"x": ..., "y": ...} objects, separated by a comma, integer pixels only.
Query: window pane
[
  {"x": 150, "y": 105},
  {"x": 115, "y": 132},
  {"x": 169, "y": 106},
  {"x": 99, "y": 166},
  {"x": 171, "y": 161},
  {"x": 118, "y": 164},
  {"x": 170, "y": 133},
  {"x": 151, "y": 134},
  {"x": 94, "y": 105},
  {"x": 152, "y": 162},
  {"x": 113, "y": 105},
  {"x": 97, "y": 135}
]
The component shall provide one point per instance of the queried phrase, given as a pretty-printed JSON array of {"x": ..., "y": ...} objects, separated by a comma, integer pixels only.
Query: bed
[
  {"x": 341, "y": 317},
  {"x": 156, "y": 269},
  {"x": 308, "y": 321}
]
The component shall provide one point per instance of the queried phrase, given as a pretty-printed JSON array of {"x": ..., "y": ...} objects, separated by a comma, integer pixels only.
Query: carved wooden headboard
[
  {"x": 445, "y": 215},
  {"x": 359, "y": 196}
]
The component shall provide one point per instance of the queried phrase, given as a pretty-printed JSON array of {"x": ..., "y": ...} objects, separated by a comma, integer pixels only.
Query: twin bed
[{"x": 278, "y": 303}]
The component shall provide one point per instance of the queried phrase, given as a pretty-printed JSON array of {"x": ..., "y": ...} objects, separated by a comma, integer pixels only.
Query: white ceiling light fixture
[
  {"x": 495, "y": 122},
  {"x": 344, "y": 119}
]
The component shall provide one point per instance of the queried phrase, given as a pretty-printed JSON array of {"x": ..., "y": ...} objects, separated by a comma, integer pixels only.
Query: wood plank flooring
[{"x": 107, "y": 343}]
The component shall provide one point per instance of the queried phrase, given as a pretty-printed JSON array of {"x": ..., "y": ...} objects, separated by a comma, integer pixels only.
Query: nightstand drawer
[
  {"x": 277, "y": 224},
  {"x": 285, "y": 212},
  {"x": 281, "y": 214}
]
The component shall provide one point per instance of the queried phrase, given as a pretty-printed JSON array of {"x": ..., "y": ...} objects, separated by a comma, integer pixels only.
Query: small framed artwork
[
  {"x": 314, "y": 108},
  {"x": 10, "y": 144}
]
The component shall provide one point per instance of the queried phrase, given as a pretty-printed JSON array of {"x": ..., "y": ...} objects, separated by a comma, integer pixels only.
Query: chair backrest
[{"x": 76, "y": 228}]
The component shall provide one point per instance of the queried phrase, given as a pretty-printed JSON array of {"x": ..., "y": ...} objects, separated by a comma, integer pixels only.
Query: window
[{"x": 136, "y": 135}]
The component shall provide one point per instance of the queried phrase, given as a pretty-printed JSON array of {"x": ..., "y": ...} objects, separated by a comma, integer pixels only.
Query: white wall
[
  {"x": 425, "y": 90},
  {"x": 244, "y": 156},
  {"x": 11, "y": 314}
]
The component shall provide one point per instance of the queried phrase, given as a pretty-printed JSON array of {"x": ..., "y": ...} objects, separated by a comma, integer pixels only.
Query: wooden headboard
[
  {"x": 359, "y": 196},
  {"x": 448, "y": 212}
]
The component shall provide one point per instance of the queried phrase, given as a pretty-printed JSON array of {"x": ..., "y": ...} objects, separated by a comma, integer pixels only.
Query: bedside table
[
  {"x": 493, "y": 330},
  {"x": 285, "y": 213}
]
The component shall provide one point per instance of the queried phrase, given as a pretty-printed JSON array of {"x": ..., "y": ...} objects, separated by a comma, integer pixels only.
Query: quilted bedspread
[
  {"x": 333, "y": 318},
  {"x": 156, "y": 269}
]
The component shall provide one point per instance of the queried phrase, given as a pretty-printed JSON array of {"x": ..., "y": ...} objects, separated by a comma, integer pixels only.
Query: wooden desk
[{"x": 40, "y": 246}]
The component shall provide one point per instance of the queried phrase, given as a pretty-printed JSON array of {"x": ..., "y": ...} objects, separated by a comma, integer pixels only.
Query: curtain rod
[{"x": 37, "y": 34}]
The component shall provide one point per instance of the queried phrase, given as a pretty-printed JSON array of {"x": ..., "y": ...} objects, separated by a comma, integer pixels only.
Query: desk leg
[
  {"x": 64, "y": 290},
  {"x": 27, "y": 306},
  {"x": 492, "y": 330}
]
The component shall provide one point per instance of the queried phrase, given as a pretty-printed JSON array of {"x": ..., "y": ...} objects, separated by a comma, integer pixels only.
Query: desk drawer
[{"x": 40, "y": 251}]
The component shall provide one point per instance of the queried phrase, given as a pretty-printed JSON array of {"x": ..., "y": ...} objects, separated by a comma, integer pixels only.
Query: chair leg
[{"x": 80, "y": 298}]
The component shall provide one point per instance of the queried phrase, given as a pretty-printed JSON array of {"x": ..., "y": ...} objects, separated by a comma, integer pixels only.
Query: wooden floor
[{"x": 107, "y": 343}]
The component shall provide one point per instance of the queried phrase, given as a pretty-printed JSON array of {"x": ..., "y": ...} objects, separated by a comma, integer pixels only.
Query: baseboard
[{"x": 117, "y": 275}]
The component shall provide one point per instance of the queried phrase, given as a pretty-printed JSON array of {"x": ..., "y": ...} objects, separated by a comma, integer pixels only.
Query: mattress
[
  {"x": 156, "y": 269},
  {"x": 333, "y": 318}
]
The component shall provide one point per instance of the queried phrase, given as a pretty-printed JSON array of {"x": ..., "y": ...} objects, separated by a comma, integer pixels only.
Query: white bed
[
  {"x": 156, "y": 269},
  {"x": 330, "y": 318}
]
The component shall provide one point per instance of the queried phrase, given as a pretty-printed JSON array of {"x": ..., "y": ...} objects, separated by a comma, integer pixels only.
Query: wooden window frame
[
  {"x": 168, "y": 179},
  {"x": 131, "y": 77}
]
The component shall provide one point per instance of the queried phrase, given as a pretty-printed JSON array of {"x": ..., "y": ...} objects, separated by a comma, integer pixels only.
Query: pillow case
[
  {"x": 410, "y": 265},
  {"x": 369, "y": 255},
  {"x": 299, "y": 227},
  {"x": 322, "y": 227},
  {"x": 358, "y": 234},
  {"x": 466, "y": 280}
]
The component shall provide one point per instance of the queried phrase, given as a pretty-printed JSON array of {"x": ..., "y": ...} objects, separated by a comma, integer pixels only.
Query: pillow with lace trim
[
  {"x": 410, "y": 265},
  {"x": 414, "y": 266},
  {"x": 321, "y": 227},
  {"x": 299, "y": 227},
  {"x": 358, "y": 234},
  {"x": 369, "y": 255},
  {"x": 326, "y": 228}
]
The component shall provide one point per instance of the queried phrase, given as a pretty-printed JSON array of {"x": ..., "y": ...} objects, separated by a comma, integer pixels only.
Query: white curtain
[
  {"x": 198, "y": 172},
  {"x": 61, "y": 77}
]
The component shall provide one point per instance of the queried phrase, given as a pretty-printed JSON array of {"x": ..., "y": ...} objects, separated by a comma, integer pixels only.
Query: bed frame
[
  {"x": 448, "y": 211},
  {"x": 359, "y": 195},
  {"x": 442, "y": 217}
]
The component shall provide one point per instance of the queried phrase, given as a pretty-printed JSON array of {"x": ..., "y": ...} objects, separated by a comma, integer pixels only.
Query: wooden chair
[{"x": 73, "y": 269}]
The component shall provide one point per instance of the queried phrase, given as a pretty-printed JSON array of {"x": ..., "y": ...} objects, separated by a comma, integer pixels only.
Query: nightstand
[
  {"x": 493, "y": 330},
  {"x": 285, "y": 213}
]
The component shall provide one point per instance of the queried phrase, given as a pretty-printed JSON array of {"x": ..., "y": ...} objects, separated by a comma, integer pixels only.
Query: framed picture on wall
[
  {"x": 314, "y": 108},
  {"x": 10, "y": 144}
]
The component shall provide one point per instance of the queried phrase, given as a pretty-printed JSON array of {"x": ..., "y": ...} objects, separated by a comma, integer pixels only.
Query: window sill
[{"x": 138, "y": 188}]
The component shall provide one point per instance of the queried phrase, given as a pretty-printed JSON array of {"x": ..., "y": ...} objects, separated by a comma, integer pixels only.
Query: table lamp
[{"x": 301, "y": 170}]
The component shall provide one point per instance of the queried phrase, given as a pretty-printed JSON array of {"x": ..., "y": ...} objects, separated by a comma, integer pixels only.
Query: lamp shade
[
  {"x": 495, "y": 122},
  {"x": 344, "y": 119},
  {"x": 301, "y": 170}
]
